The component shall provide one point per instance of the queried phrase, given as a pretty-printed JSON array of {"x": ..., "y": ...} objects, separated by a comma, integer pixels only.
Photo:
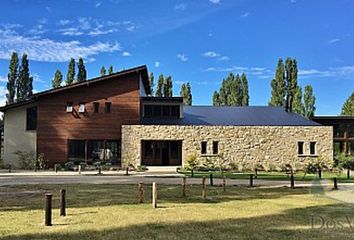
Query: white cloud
[
  {"x": 293, "y": 1},
  {"x": 43, "y": 21},
  {"x": 131, "y": 28},
  {"x": 63, "y": 22},
  {"x": 259, "y": 72},
  {"x": 246, "y": 14},
  {"x": 334, "y": 40},
  {"x": 3, "y": 79},
  {"x": 47, "y": 50},
  {"x": 214, "y": 1},
  {"x": 211, "y": 54},
  {"x": 223, "y": 58},
  {"x": 179, "y": 82},
  {"x": 182, "y": 57},
  {"x": 126, "y": 54},
  {"x": 180, "y": 7},
  {"x": 98, "y": 4},
  {"x": 37, "y": 30},
  {"x": 3, "y": 92},
  {"x": 333, "y": 72},
  {"x": 157, "y": 64}
]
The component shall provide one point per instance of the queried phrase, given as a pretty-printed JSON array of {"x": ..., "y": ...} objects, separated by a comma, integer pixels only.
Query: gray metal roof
[{"x": 234, "y": 116}]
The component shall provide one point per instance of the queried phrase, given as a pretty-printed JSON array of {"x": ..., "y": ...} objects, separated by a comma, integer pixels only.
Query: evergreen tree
[
  {"x": 12, "y": 79},
  {"x": 298, "y": 106},
  {"x": 103, "y": 71},
  {"x": 291, "y": 77},
  {"x": 278, "y": 86},
  {"x": 57, "y": 80},
  {"x": 24, "y": 86},
  {"x": 81, "y": 75},
  {"x": 348, "y": 106},
  {"x": 186, "y": 94},
  {"x": 160, "y": 86},
  {"x": 151, "y": 83},
  {"x": 167, "y": 89},
  {"x": 216, "y": 101},
  {"x": 110, "y": 70},
  {"x": 309, "y": 102},
  {"x": 70, "y": 76},
  {"x": 245, "y": 95}
]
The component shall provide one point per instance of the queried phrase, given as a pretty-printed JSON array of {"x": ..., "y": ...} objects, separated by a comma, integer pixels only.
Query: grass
[
  {"x": 298, "y": 176},
  {"x": 112, "y": 212}
]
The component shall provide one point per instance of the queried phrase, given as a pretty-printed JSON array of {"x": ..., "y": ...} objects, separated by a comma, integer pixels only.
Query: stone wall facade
[{"x": 240, "y": 145}]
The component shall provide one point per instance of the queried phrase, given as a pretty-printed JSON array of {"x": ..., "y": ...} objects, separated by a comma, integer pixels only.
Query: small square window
[
  {"x": 81, "y": 107},
  {"x": 204, "y": 148},
  {"x": 96, "y": 107},
  {"x": 215, "y": 147},
  {"x": 69, "y": 107},
  {"x": 312, "y": 148},
  {"x": 107, "y": 108},
  {"x": 300, "y": 148}
]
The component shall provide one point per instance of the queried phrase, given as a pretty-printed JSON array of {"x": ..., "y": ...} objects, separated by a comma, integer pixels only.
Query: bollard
[
  {"x": 348, "y": 173},
  {"x": 10, "y": 168},
  {"x": 154, "y": 195},
  {"x": 335, "y": 181},
  {"x": 251, "y": 180},
  {"x": 203, "y": 188},
  {"x": 141, "y": 192},
  {"x": 48, "y": 209},
  {"x": 99, "y": 170},
  {"x": 224, "y": 184},
  {"x": 62, "y": 202},
  {"x": 256, "y": 173},
  {"x": 56, "y": 168},
  {"x": 80, "y": 170},
  {"x": 320, "y": 173},
  {"x": 184, "y": 181},
  {"x": 292, "y": 182},
  {"x": 211, "y": 179}
]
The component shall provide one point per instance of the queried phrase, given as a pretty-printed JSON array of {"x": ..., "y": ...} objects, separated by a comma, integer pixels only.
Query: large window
[
  {"x": 31, "y": 119},
  {"x": 76, "y": 151},
  {"x": 339, "y": 129},
  {"x": 166, "y": 111},
  {"x": 204, "y": 148},
  {"x": 161, "y": 153},
  {"x": 300, "y": 148},
  {"x": 215, "y": 147},
  {"x": 312, "y": 148}
]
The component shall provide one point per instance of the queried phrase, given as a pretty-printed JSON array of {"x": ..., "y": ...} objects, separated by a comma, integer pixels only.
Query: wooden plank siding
[{"x": 56, "y": 126}]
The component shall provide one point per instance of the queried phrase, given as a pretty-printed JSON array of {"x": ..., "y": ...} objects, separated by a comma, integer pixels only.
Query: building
[{"x": 113, "y": 119}]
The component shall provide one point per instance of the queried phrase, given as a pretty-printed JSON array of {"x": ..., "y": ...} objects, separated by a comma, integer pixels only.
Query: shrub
[
  {"x": 192, "y": 162},
  {"x": 29, "y": 161}
]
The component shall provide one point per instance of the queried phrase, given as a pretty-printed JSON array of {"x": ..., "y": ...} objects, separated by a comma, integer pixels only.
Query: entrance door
[
  {"x": 161, "y": 153},
  {"x": 165, "y": 155}
]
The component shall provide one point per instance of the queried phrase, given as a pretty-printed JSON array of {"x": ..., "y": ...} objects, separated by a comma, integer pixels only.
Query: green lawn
[
  {"x": 112, "y": 212},
  {"x": 298, "y": 176}
]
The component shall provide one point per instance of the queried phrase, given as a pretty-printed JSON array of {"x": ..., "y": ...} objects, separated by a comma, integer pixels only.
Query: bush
[
  {"x": 192, "y": 162},
  {"x": 29, "y": 161}
]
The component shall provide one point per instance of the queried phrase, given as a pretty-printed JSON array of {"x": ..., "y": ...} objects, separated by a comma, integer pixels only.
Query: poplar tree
[
  {"x": 160, "y": 86},
  {"x": 81, "y": 75},
  {"x": 103, "y": 71},
  {"x": 110, "y": 70},
  {"x": 309, "y": 102},
  {"x": 348, "y": 106},
  {"x": 297, "y": 105},
  {"x": 24, "y": 86},
  {"x": 57, "y": 80},
  {"x": 186, "y": 94},
  {"x": 278, "y": 85},
  {"x": 151, "y": 83},
  {"x": 12, "y": 79},
  {"x": 70, "y": 76},
  {"x": 291, "y": 77},
  {"x": 245, "y": 95},
  {"x": 167, "y": 89},
  {"x": 216, "y": 101}
]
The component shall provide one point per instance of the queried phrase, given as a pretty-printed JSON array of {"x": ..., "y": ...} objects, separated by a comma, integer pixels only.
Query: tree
[
  {"x": 160, "y": 86},
  {"x": 291, "y": 78},
  {"x": 57, "y": 80},
  {"x": 103, "y": 71},
  {"x": 216, "y": 101},
  {"x": 278, "y": 86},
  {"x": 24, "y": 86},
  {"x": 12, "y": 79},
  {"x": 298, "y": 106},
  {"x": 245, "y": 95},
  {"x": 81, "y": 75},
  {"x": 186, "y": 94},
  {"x": 151, "y": 83},
  {"x": 70, "y": 76},
  {"x": 348, "y": 106},
  {"x": 110, "y": 70},
  {"x": 192, "y": 163},
  {"x": 167, "y": 89},
  {"x": 309, "y": 102}
]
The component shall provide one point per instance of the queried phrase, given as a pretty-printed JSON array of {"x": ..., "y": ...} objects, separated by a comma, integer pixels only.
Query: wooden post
[
  {"x": 62, "y": 202},
  {"x": 348, "y": 173},
  {"x": 292, "y": 182},
  {"x": 80, "y": 169},
  {"x": 192, "y": 171},
  {"x": 48, "y": 209},
  {"x": 211, "y": 179},
  {"x": 141, "y": 192},
  {"x": 251, "y": 180},
  {"x": 203, "y": 188},
  {"x": 319, "y": 173},
  {"x": 256, "y": 173},
  {"x": 154, "y": 195},
  {"x": 184, "y": 181},
  {"x": 99, "y": 170},
  {"x": 10, "y": 168},
  {"x": 224, "y": 183},
  {"x": 335, "y": 181}
]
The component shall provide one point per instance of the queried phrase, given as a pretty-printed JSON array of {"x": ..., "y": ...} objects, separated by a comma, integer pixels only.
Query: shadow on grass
[
  {"x": 83, "y": 195},
  {"x": 316, "y": 222}
]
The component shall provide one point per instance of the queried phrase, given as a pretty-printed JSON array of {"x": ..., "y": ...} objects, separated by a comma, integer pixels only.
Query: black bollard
[
  {"x": 211, "y": 179},
  {"x": 48, "y": 209},
  {"x": 99, "y": 170},
  {"x": 62, "y": 202},
  {"x": 335, "y": 181},
  {"x": 10, "y": 168},
  {"x": 251, "y": 180},
  {"x": 292, "y": 182}
]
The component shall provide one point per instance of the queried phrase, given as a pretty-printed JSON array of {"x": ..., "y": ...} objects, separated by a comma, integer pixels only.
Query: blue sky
[{"x": 198, "y": 41}]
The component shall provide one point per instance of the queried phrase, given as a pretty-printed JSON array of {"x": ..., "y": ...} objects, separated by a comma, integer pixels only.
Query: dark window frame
[
  {"x": 161, "y": 111},
  {"x": 107, "y": 107},
  {"x": 215, "y": 147},
  {"x": 204, "y": 147},
  {"x": 96, "y": 107},
  {"x": 312, "y": 148},
  {"x": 31, "y": 118},
  {"x": 300, "y": 148}
]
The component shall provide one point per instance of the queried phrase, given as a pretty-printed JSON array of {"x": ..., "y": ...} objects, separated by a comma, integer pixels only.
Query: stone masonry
[{"x": 269, "y": 146}]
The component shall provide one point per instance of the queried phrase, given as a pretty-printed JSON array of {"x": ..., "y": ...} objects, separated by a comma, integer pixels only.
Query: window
[
  {"x": 166, "y": 111},
  {"x": 81, "y": 107},
  {"x": 148, "y": 109},
  {"x": 69, "y": 107},
  {"x": 107, "y": 107},
  {"x": 96, "y": 107},
  {"x": 76, "y": 151},
  {"x": 215, "y": 147},
  {"x": 312, "y": 148},
  {"x": 300, "y": 148},
  {"x": 31, "y": 119},
  {"x": 204, "y": 148}
]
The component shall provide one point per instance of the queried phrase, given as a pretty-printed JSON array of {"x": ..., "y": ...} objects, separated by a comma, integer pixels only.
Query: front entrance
[{"x": 161, "y": 153}]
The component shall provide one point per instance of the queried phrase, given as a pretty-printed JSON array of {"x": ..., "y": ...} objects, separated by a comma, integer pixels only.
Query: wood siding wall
[{"x": 56, "y": 126}]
